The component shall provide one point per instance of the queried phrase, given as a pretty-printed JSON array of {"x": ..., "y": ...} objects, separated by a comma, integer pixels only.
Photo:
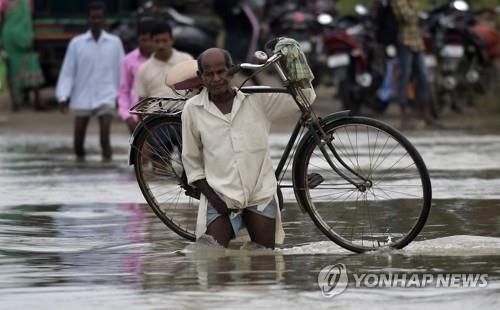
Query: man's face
[
  {"x": 163, "y": 43},
  {"x": 214, "y": 75},
  {"x": 96, "y": 20},
  {"x": 145, "y": 44}
]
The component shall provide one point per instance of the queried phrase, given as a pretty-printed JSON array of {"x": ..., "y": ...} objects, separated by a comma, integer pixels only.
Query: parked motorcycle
[
  {"x": 350, "y": 52},
  {"x": 301, "y": 24},
  {"x": 481, "y": 54},
  {"x": 463, "y": 64}
]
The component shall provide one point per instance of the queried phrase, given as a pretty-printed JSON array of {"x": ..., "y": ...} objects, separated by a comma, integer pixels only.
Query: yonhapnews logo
[{"x": 334, "y": 279}]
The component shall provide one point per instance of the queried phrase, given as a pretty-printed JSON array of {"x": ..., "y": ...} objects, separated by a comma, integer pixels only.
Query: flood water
[{"x": 80, "y": 236}]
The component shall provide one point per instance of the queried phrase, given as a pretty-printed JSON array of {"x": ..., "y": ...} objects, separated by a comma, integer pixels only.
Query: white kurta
[
  {"x": 90, "y": 74},
  {"x": 233, "y": 154},
  {"x": 151, "y": 77}
]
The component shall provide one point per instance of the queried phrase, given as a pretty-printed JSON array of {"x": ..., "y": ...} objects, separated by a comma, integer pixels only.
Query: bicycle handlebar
[
  {"x": 268, "y": 46},
  {"x": 249, "y": 66}
]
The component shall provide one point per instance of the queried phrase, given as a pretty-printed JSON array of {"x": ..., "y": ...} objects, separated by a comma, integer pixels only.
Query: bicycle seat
[{"x": 183, "y": 76}]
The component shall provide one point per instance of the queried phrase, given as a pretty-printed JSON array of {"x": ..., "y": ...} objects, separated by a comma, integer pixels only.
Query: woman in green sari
[{"x": 24, "y": 72}]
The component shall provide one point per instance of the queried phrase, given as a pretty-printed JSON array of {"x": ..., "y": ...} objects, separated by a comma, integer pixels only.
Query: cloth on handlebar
[{"x": 296, "y": 62}]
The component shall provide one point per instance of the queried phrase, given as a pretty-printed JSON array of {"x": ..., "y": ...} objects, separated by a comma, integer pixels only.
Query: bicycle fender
[
  {"x": 328, "y": 119},
  {"x": 335, "y": 116}
]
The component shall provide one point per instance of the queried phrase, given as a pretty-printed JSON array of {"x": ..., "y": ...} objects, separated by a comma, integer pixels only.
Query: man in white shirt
[
  {"x": 225, "y": 153},
  {"x": 151, "y": 77},
  {"x": 89, "y": 80}
]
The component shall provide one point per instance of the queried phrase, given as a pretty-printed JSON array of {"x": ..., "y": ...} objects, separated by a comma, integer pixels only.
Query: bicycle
[{"x": 349, "y": 173}]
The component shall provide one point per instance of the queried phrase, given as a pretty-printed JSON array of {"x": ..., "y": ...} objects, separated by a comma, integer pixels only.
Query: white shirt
[
  {"x": 233, "y": 154},
  {"x": 151, "y": 77},
  {"x": 90, "y": 73}
]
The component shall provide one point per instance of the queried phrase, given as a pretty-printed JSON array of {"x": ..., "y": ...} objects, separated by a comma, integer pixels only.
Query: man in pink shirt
[{"x": 130, "y": 65}]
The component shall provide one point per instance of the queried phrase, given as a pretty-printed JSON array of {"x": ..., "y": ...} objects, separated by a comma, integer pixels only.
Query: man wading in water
[{"x": 225, "y": 153}]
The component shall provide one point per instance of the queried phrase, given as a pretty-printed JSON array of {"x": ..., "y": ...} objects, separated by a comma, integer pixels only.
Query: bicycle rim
[
  {"x": 395, "y": 204},
  {"x": 160, "y": 174}
]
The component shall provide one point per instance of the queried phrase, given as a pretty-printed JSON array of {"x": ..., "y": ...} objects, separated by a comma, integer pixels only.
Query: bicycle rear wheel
[
  {"x": 160, "y": 174},
  {"x": 391, "y": 207}
]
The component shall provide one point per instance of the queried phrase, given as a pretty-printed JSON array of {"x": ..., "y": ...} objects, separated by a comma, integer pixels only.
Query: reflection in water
[
  {"x": 75, "y": 244},
  {"x": 219, "y": 267},
  {"x": 116, "y": 245},
  {"x": 135, "y": 230}
]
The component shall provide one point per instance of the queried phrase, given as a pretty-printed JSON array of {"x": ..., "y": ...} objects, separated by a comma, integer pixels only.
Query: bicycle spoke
[
  {"x": 390, "y": 176},
  {"x": 330, "y": 195},
  {"x": 345, "y": 155},
  {"x": 376, "y": 161},
  {"x": 369, "y": 216},
  {"x": 355, "y": 153},
  {"x": 159, "y": 172},
  {"x": 397, "y": 192}
]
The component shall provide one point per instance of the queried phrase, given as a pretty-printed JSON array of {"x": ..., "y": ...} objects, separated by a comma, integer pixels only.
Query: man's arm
[
  {"x": 124, "y": 91},
  {"x": 192, "y": 160},
  {"x": 280, "y": 105},
  {"x": 67, "y": 75},
  {"x": 212, "y": 197},
  {"x": 120, "y": 55}
]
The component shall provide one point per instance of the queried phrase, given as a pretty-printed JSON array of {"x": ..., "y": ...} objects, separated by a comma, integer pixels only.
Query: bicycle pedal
[{"x": 314, "y": 179}]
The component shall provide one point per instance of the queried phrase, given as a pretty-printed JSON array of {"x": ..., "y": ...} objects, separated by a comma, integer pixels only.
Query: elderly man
[{"x": 226, "y": 155}]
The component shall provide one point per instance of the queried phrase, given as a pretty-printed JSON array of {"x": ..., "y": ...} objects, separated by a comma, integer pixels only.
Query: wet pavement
[{"x": 80, "y": 236}]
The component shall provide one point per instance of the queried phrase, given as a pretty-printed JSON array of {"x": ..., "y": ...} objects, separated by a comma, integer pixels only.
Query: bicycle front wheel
[
  {"x": 160, "y": 174},
  {"x": 391, "y": 198}
]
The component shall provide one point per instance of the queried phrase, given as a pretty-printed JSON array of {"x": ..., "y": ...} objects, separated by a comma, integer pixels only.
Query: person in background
[
  {"x": 151, "y": 77},
  {"x": 89, "y": 80},
  {"x": 24, "y": 71},
  {"x": 411, "y": 60},
  {"x": 386, "y": 35},
  {"x": 129, "y": 68}
]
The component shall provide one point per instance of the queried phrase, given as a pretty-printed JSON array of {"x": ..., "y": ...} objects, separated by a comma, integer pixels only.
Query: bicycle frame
[{"x": 307, "y": 120}]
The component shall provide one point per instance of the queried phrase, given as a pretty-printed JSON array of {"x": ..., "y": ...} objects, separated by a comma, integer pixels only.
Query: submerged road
[{"x": 80, "y": 236}]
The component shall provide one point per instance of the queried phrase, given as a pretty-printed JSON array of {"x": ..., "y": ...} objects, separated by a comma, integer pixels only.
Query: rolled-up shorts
[
  {"x": 237, "y": 221},
  {"x": 105, "y": 109}
]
